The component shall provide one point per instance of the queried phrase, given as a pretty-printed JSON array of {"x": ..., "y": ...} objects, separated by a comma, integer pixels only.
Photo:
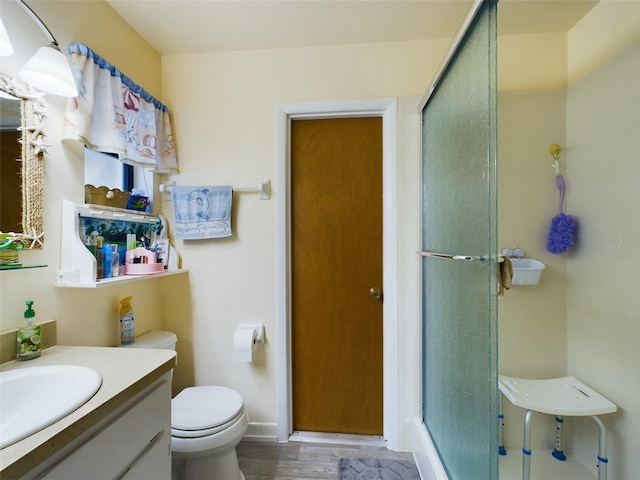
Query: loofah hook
[
  {"x": 554, "y": 149},
  {"x": 561, "y": 232}
]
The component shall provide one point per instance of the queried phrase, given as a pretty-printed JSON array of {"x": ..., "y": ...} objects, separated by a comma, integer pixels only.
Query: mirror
[
  {"x": 112, "y": 183},
  {"x": 11, "y": 163},
  {"x": 22, "y": 170}
]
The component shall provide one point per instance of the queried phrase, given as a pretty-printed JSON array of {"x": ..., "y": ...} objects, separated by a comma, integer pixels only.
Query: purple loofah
[
  {"x": 561, "y": 233},
  {"x": 562, "y": 226}
]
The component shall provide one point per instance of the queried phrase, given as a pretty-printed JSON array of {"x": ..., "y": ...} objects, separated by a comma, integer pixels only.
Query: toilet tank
[{"x": 155, "y": 339}]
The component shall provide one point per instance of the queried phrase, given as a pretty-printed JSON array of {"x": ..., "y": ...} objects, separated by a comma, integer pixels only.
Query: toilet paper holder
[
  {"x": 259, "y": 328},
  {"x": 246, "y": 340}
]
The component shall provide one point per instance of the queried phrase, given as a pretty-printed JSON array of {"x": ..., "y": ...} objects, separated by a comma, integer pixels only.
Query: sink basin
[{"x": 33, "y": 398}]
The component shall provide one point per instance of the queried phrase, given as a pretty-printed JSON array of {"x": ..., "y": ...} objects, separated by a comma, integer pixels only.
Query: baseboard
[
  {"x": 425, "y": 454},
  {"x": 338, "y": 439},
  {"x": 261, "y": 432}
]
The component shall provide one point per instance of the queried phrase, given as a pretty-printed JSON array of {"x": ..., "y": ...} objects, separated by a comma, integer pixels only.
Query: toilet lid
[{"x": 199, "y": 408}]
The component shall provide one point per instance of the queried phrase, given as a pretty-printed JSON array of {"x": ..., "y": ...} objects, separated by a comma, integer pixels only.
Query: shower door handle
[
  {"x": 465, "y": 258},
  {"x": 375, "y": 293}
]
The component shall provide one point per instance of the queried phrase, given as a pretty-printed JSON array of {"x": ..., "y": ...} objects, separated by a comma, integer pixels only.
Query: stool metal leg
[
  {"x": 558, "y": 452},
  {"x": 526, "y": 446},
  {"x": 501, "y": 449},
  {"x": 602, "y": 449}
]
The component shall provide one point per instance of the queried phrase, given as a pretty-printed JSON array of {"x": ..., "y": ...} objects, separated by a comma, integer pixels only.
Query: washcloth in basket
[
  {"x": 202, "y": 212},
  {"x": 505, "y": 274}
]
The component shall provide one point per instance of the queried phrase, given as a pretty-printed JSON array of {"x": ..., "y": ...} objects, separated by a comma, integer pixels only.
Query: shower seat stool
[{"x": 565, "y": 396}]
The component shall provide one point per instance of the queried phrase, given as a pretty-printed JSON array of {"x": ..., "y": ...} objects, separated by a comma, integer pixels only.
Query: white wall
[
  {"x": 603, "y": 275},
  {"x": 583, "y": 318},
  {"x": 85, "y": 317},
  {"x": 409, "y": 267},
  {"x": 603, "y": 281},
  {"x": 532, "y": 62},
  {"x": 532, "y": 333},
  {"x": 609, "y": 27},
  {"x": 224, "y": 108}
]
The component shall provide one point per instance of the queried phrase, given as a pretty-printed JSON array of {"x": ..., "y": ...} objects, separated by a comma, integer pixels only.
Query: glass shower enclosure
[{"x": 459, "y": 263}]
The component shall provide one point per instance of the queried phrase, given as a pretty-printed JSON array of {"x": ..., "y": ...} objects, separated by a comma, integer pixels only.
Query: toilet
[{"x": 206, "y": 424}]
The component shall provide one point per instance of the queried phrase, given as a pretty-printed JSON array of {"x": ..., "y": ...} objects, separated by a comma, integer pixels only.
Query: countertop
[{"x": 125, "y": 372}]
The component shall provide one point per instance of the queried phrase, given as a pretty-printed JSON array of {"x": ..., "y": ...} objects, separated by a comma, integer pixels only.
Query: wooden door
[{"x": 336, "y": 218}]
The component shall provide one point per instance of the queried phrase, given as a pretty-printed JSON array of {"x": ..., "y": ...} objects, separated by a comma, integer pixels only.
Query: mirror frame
[{"x": 33, "y": 149}]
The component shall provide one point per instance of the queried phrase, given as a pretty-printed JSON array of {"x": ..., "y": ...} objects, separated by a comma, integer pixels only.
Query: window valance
[{"x": 113, "y": 114}]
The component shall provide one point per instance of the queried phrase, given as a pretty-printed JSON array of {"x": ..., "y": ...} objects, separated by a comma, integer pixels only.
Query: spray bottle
[{"x": 127, "y": 326}]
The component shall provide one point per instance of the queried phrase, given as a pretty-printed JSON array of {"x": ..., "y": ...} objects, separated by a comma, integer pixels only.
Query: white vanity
[{"x": 123, "y": 431}]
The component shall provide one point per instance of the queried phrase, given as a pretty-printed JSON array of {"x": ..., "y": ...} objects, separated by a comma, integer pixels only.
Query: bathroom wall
[
  {"x": 532, "y": 319},
  {"x": 224, "y": 111},
  {"x": 532, "y": 331},
  {"x": 603, "y": 276},
  {"x": 583, "y": 317},
  {"x": 606, "y": 30},
  {"x": 85, "y": 316},
  {"x": 532, "y": 61},
  {"x": 224, "y": 108}
]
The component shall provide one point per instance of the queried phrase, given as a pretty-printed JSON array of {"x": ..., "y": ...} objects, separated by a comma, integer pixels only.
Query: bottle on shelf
[
  {"x": 115, "y": 260},
  {"x": 99, "y": 257}
]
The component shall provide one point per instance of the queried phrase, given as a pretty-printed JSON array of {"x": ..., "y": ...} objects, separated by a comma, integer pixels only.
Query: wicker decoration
[{"x": 109, "y": 197}]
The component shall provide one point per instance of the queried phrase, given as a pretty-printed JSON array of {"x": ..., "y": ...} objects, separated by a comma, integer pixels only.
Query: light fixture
[
  {"x": 48, "y": 70},
  {"x": 5, "y": 44}
]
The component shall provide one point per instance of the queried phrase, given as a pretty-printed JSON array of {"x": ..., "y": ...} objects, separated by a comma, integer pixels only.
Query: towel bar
[{"x": 264, "y": 189}]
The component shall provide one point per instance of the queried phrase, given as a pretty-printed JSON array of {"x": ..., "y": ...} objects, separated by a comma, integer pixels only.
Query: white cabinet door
[
  {"x": 122, "y": 445},
  {"x": 153, "y": 464}
]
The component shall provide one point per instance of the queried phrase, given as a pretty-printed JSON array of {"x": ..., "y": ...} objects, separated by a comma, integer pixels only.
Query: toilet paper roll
[{"x": 244, "y": 344}]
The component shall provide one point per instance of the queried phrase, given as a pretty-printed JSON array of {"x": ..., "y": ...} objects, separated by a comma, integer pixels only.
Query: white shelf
[
  {"x": 77, "y": 264},
  {"x": 106, "y": 282}
]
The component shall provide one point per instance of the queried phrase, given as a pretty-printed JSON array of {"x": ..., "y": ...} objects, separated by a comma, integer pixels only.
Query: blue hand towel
[{"x": 202, "y": 212}]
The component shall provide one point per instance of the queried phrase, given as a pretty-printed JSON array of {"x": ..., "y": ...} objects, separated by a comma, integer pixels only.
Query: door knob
[{"x": 374, "y": 292}]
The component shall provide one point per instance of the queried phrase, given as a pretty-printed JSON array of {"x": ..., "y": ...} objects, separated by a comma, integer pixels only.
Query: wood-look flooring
[{"x": 302, "y": 460}]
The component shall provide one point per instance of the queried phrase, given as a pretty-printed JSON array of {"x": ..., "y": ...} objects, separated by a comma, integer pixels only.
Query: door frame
[{"x": 386, "y": 108}]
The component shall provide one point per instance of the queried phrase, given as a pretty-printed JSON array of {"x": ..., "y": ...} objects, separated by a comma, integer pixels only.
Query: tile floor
[{"x": 305, "y": 460}]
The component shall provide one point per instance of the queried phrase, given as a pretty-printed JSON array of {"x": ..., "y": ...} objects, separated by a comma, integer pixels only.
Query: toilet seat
[
  {"x": 205, "y": 432},
  {"x": 215, "y": 444},
  {"x": 201, "y": 411}
]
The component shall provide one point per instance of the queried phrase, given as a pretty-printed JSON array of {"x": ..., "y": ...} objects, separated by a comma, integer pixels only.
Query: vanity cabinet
[{"x": 134, "y": 443}]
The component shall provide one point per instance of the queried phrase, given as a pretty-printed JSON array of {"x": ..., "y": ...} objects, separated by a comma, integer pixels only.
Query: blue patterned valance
[{"x": 113, "y": 114}]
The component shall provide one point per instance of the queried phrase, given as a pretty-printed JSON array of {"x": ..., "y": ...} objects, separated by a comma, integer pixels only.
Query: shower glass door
[{"x": 459, "y": 218}]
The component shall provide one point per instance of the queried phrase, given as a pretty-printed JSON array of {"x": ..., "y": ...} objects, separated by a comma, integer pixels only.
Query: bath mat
[{"x": 376, "y": 469}]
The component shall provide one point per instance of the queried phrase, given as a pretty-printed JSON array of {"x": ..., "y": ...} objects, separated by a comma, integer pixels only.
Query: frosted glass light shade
[
  {"x": 6, "y": 48},
  {"x": 49, "y": 70}
]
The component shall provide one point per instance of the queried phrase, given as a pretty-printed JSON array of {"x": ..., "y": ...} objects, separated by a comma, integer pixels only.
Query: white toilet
[{"x": 206, "y": 425}]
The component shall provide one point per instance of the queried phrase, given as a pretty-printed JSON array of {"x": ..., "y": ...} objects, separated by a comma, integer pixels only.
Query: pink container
[{"x": 147, "y": 266}]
